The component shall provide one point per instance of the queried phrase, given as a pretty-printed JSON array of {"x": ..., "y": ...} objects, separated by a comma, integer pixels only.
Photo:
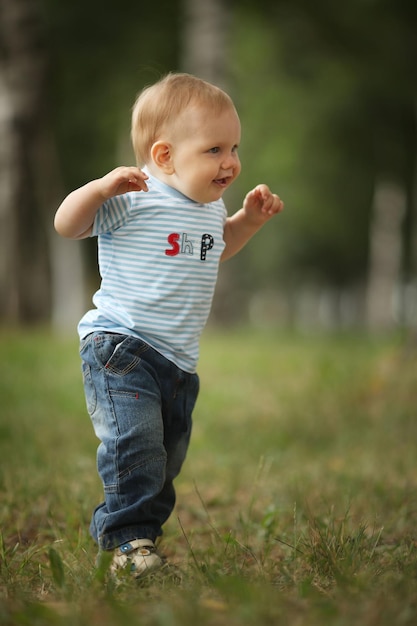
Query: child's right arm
[{"x": 75, "y": 216}]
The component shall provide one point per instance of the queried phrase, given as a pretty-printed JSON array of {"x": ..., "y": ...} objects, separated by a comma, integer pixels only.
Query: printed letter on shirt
[
  {"x": 186, "y": 245},
  {"x": 173, "y": 240},
  {"x": 207, "y": 242}
]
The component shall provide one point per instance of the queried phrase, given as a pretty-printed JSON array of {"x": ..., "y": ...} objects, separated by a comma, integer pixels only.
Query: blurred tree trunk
[
  {"x": 205, "y": 38},
  {"x": 24, "y": 275},
  {"x": 384, "y": 279},
  {"x": 30, "y": 187}
]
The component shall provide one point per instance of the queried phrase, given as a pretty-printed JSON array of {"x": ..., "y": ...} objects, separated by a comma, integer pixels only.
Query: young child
[{"x": 162, "y": 231}]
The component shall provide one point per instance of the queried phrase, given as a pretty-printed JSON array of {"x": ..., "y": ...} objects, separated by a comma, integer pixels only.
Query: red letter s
[{"x": 173, "y": 240}]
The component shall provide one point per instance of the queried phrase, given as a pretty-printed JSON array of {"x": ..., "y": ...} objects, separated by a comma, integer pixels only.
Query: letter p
[{"x": 207, "y": 242}]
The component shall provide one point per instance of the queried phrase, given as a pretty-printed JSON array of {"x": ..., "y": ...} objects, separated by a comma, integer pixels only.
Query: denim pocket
[{"x": 118, "y": 354}]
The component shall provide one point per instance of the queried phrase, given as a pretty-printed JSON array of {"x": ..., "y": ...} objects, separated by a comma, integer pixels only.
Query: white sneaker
[{"x": 139, "y": 556}]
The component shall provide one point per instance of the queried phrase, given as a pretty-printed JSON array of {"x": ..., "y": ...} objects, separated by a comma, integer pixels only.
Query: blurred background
[{"x": 326, "y": 93}]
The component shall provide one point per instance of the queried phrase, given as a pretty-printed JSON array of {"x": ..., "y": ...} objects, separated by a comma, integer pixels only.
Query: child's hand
[
  {"x": 121, "y": 180},
  {"x": 261, "y": 204}
]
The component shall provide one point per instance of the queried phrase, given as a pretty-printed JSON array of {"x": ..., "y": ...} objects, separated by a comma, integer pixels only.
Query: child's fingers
[
  {"x": 271, "y": 202},
  {"x": 261, "y": 198},
  {"x": 274, "y": 205},
  {"x": 136, "y": 176},
  {"x": 138, "y": 183},
  {"x": 128, "y": 178}
]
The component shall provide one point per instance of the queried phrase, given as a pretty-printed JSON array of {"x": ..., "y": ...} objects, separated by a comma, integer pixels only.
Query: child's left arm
[{"x": 259, "y": 206}]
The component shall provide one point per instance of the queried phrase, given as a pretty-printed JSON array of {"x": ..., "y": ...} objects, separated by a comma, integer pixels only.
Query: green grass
[{"x": 297, "y": 503}]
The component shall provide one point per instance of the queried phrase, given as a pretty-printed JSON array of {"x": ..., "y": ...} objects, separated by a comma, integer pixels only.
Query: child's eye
[{"x": 215, "y": 150}]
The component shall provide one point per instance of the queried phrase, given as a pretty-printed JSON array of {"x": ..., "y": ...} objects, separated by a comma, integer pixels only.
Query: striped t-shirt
[{"x": 158, "y": 254}]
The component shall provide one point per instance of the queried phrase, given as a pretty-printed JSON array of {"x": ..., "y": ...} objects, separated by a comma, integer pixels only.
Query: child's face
[{"x": 204, "y": 153}]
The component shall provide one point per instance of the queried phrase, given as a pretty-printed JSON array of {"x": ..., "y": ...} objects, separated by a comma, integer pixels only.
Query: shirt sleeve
[{"x": 111, "y": 215}]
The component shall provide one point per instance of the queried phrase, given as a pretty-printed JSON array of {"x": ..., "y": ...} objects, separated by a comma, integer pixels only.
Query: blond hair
[{"x": 158, "y": 106}]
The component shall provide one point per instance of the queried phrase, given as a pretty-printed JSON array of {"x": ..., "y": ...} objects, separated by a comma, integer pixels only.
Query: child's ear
[{"x": 161, "y": 154}]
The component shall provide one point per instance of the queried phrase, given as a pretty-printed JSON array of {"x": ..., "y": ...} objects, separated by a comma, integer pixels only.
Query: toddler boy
[{"x": 162, "y": 231}]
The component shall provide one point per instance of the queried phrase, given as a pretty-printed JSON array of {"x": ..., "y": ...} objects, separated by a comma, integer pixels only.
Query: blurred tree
[
  {"x": 385, "y": 255},
  {"x": 205, "y": 37},
  {"x": 336, "y": 93},
  {"x": 24, "y": 150}
]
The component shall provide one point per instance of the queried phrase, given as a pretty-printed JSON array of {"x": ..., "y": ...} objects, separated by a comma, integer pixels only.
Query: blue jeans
[{"x": 140, "y": 405}]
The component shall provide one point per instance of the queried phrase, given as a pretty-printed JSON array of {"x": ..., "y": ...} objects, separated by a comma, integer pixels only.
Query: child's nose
[{"x": 230, "y": 161}]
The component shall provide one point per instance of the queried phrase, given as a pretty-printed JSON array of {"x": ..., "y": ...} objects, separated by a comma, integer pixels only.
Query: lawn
[{"x": 297, "y": 503}]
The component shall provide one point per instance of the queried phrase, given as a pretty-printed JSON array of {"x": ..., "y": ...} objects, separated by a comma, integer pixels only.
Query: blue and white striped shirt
[{"x": 159, "y": 254}]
